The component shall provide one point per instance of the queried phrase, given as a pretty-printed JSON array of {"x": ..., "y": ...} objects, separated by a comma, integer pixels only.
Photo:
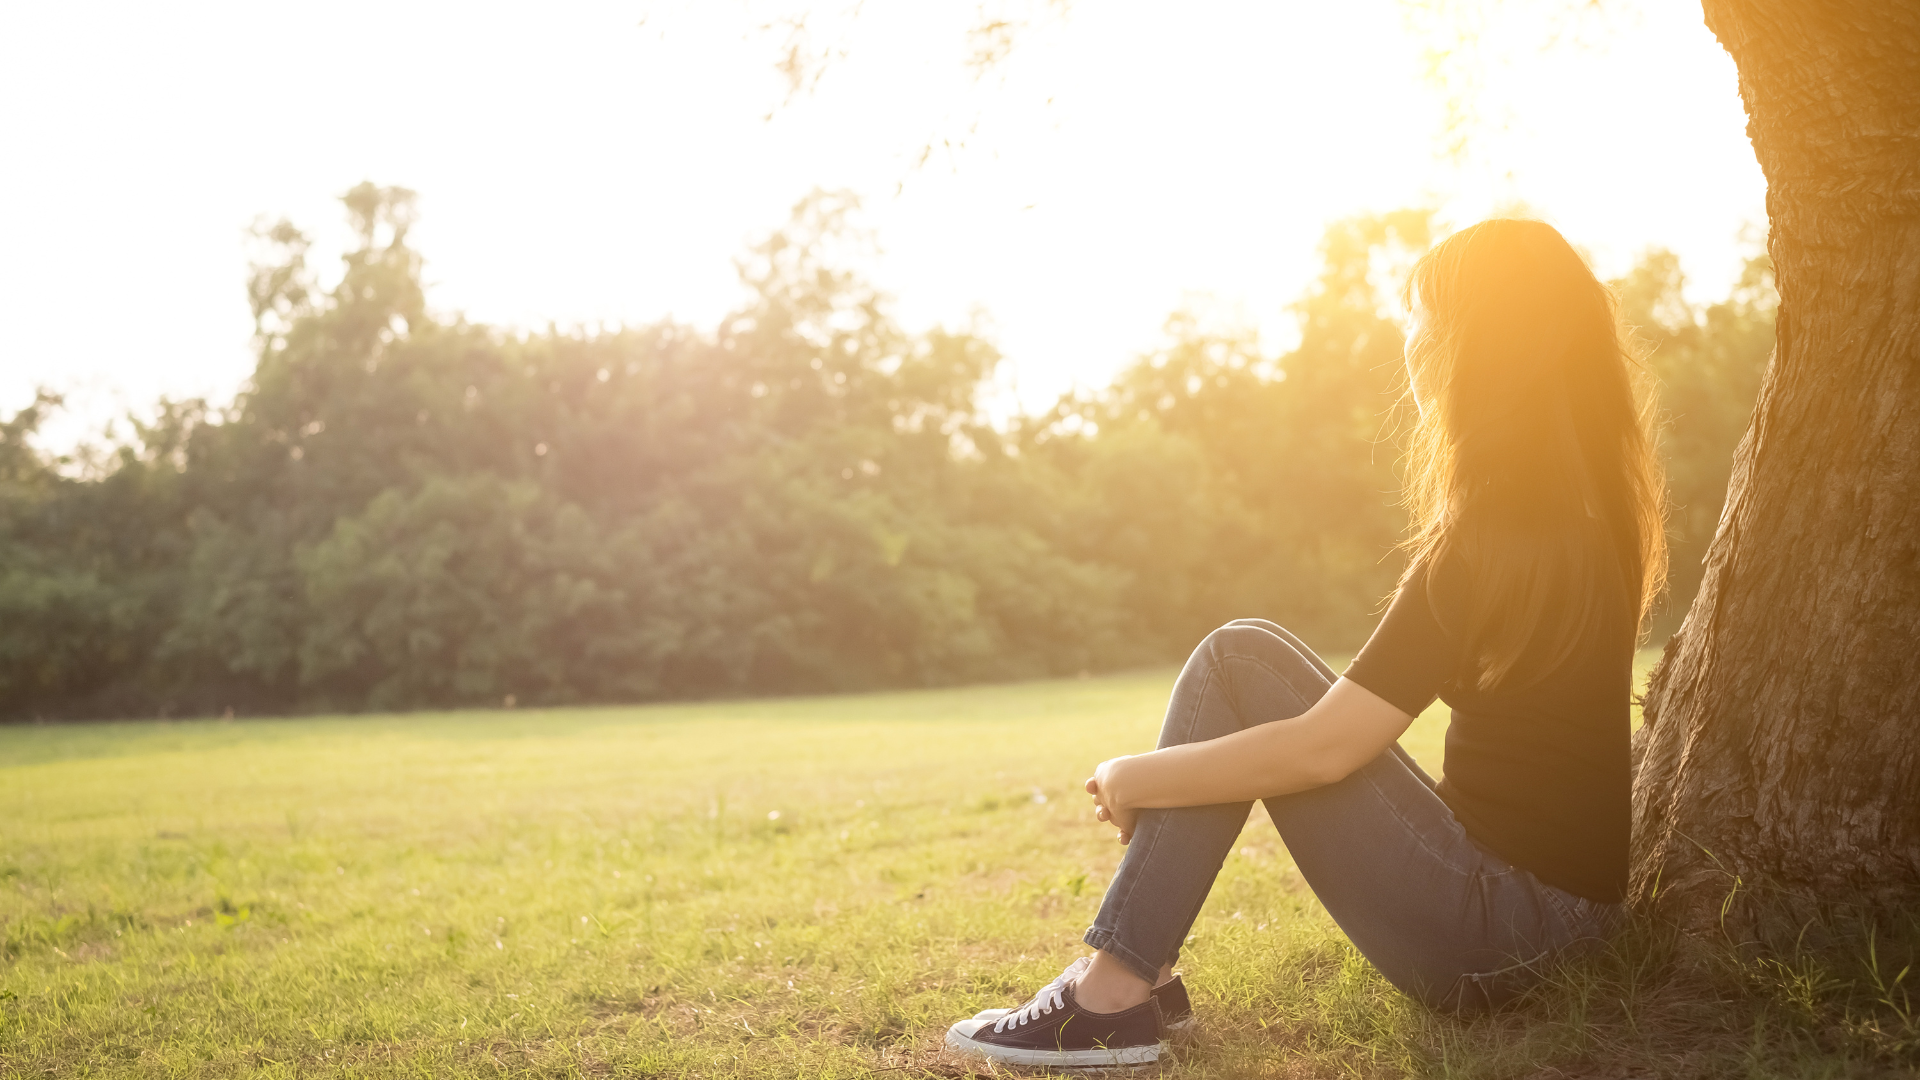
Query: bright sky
[{"x": 606, "y": 161}]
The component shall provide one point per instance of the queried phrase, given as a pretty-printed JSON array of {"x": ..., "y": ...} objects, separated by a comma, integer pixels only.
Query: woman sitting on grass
[{"x": 1537, "y": 505}]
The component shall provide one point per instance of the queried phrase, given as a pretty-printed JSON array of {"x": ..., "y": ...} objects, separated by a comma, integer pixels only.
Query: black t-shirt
[{"x": 1538, "y": 774}]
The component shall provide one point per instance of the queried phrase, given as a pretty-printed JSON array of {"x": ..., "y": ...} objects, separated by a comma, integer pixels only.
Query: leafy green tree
[
  {"x": 88, "y": 564},
  {"x": 402, "y": 510},
  {"x": 1708, "y": 363}
]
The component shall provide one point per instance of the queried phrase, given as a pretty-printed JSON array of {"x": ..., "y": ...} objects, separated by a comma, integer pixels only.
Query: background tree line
[{"x": 405, "y": 510}]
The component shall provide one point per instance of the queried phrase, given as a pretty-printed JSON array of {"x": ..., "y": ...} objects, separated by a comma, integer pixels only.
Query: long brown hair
[{"x": 1532, "y": 464}]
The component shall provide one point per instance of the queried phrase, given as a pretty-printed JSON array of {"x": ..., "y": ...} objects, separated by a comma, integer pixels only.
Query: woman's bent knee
[{"x": 1251, "y": 639}]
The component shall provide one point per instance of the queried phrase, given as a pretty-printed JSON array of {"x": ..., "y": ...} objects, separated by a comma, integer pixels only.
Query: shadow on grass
[{"x": 1831, "y": 999}]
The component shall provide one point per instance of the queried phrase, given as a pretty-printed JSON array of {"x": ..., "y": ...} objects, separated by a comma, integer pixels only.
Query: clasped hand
[{"x": 1107, "y": 786}]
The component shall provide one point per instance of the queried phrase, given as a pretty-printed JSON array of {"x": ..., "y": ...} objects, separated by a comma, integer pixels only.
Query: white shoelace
[{"x": 1051, "y": 996}]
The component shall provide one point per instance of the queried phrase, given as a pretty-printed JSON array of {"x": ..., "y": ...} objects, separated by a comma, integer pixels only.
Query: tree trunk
[{"x": 1782, "y": 746}]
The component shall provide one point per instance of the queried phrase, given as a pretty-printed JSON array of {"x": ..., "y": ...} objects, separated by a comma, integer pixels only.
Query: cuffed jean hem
[{"x": 1106, "y": 941}]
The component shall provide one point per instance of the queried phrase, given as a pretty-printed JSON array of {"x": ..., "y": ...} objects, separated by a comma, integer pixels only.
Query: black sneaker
[
  {"x": 1053, "y": 1030},
  {"x": 1176, "y": 1008}
]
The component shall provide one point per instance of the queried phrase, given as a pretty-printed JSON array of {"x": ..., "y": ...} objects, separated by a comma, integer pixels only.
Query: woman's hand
[{"x": 1106, "y": 786}]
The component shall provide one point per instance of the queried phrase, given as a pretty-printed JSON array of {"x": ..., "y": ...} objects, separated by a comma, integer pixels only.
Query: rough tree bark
[{"x": 1782, "y": 745}]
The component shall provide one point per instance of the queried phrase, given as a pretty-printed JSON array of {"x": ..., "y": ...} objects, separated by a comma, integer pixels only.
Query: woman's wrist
[
  {"x": 1141, "y": 780},
  {"x": 1115, "y": 787}
]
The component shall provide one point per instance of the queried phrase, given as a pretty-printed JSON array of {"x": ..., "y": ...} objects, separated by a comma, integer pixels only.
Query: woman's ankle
[{"x": 1110, "y": 986}]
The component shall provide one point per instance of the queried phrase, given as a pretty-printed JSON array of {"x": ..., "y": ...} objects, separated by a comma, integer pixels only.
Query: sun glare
[{"x": 1117, "y": 163}]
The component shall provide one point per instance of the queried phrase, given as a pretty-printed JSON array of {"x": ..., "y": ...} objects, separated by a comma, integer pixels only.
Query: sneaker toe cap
[{"x": 968, "y": 1027}]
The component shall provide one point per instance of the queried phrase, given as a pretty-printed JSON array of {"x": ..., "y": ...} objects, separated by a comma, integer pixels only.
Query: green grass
[{"x": 805, "y": 887}]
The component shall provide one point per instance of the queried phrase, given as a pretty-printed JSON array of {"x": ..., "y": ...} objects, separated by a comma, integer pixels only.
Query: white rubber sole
[{"x": 960, "y": 1037}]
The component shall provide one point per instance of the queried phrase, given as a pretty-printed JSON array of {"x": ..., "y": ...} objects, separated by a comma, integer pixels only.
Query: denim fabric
[{"x": 1444, "y": 920}]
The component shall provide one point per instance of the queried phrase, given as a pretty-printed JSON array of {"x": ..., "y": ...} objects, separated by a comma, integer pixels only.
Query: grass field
[{"x": 803, "y": 887}]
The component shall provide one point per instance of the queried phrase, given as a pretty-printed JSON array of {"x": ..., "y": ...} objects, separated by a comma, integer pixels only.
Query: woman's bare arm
[{"x": 1344, "y": 730}]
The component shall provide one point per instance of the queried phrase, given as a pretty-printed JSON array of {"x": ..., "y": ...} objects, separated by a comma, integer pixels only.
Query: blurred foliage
[
  {"x": 1708, "y": 363},
  {"x": 402, "y": 510}
]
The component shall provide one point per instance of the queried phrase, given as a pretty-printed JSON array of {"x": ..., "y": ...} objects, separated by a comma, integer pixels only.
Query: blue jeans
[{"x": 1445, "y": 920}]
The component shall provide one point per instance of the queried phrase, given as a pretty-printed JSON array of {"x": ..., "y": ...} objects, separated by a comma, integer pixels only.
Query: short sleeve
[{"x": 1409, "y": 657}]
